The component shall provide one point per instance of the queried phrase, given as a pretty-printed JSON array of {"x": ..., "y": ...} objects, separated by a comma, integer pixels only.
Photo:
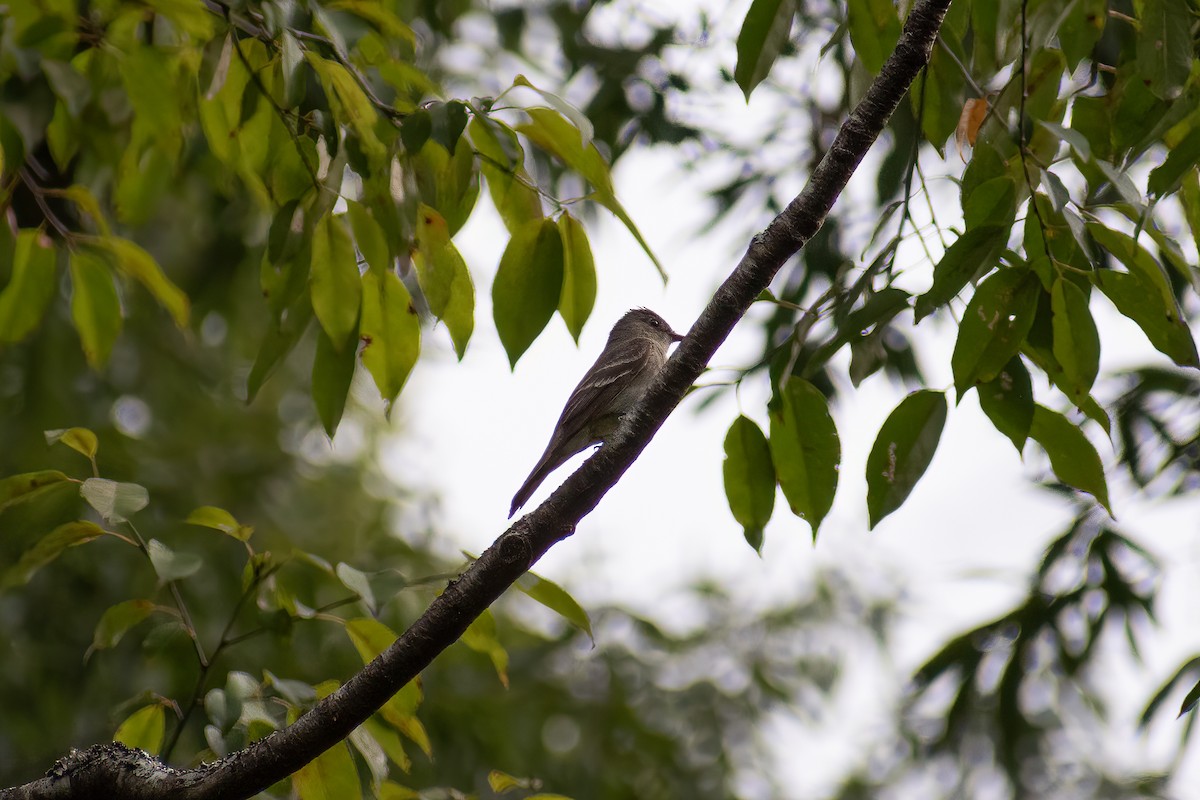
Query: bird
[{"x": 635, "y": 352}]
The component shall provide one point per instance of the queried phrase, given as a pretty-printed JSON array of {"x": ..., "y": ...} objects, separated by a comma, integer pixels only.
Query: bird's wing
[{"x": 601, "y": 387}]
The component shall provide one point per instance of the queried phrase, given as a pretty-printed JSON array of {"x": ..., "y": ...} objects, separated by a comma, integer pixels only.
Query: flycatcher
[{"x": 635, "y": 352}]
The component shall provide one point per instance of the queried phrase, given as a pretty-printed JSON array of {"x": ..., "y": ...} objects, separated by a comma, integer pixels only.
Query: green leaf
[
  {"x": 81, "y": 440},
  {"x": 278, "y": 341},
  {"x": 170, "y": 565},
  {"x": 481, "y": 637},
  {"x": 1081, "y": 29},
  {"x": 371, "y": 637},
  {"x": 1076, "y": 341},
  {"x": 502, "y": 163},
  {"x": 141, "y": 266},
  {"x": 902, "y": 451},
  {"x": 993, "y": 202},
  {"x": 143, "y": 729},
  {"x": 764, "y": 34},
  {"x": 553, "y": 134},
  {"x": 1072, "y": 457},
  {"x": 29, "y": 485},
  {"x": 220, "y": 520},
  {"x": 448, "y": 183},
  {"x": 334, "y": 278},
  {"x": 573, "y": 114},
  {"x": 394, "y": 748},
  {"x": 1181, "y": 159},
  {"x": 350, "y": 105},
  {"x": 332, "y": 374},
  {"x": 114, "y": 501},
  {"x": 528, "y": 285},
  {"x": 1007, "y": 400},
  {"x": 579, "y": 276},
  {"x": 557, "y": 599},
  {"x": 805, "y": 450},
  {"x": 996, "y": 321},
  {"x": 936, "y": 95},
  {"x": 330, "y": 776},
  {"x": 749, "y": 477},
  {"x": 390, "y": 331},
  {"x": 24, "y": 298},
  {"x": 1144, "y": 295},
  {"x": 1164, "y": 46},
  {"x": 95, "y": 307},
  {"x": 369, "y": 237},
  {"x": 354, "y": 580},
  {"x": 447, "y": 121},
  {"x": 117, "y": 621},
  {"x": 48, "y": 548},
  {"x": 444, "y": 278},
  {"x": 295, "y": 79},
  {"x": 874, "y": 30},
  {"x": 977, "y": 250}
]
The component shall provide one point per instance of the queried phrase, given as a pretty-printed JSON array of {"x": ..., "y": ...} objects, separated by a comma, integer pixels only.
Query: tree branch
[{"x": 246, "y": 772}]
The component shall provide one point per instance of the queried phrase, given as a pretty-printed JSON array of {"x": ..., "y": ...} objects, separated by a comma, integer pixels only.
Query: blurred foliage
[{"x": 209, "y": 203}]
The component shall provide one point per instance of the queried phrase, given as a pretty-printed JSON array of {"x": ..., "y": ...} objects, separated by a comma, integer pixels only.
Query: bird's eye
[{"x": 654, "y": 322}]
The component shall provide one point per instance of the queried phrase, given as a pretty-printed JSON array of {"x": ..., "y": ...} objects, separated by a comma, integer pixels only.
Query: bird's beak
[{"x": 676, "y": 337}]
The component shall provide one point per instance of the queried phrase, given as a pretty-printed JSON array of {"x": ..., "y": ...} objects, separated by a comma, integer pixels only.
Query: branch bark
[{"x": 105, "y": 771}]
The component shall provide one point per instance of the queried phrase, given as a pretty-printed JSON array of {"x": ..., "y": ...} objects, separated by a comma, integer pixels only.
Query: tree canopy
[{"x": 229, "y": 236}]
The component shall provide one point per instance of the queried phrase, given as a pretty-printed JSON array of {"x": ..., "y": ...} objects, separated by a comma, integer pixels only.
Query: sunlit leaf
[
  {"x": 903, "y": 451},
  {"x": 576, "y": 117},
  {"x": 448, "y": 183},
  {"x": 220, "y": 520},
  {"x": 143, "y": 729},
  {"x": 502, "y": 163},
  {"x": 351, "y": 106},
  {"x": 81, "y": 440},
  {"x": 330, "y": 776}
]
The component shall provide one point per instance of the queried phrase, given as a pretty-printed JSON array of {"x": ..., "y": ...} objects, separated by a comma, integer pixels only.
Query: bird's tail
[{"x": 544, "y": 467}]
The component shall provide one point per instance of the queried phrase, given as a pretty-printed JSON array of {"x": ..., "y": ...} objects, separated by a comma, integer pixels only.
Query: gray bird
[{"x": 635, "y": 352}]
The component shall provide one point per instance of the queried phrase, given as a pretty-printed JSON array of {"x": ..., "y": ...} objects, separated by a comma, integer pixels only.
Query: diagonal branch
[{"x": 249, "y": 771}]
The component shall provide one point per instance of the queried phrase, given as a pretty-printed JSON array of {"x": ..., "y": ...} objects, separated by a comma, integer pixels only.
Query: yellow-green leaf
[
  {"x": 143, "y": 729},
  {"x": 117, "y": 620},
  {"x": 351, "y": 106},
  {"x": 48, "y": 548},
  {"x": 220, "y": 520},
  {"x": 95, "y": 307},
  {"x": 141, "y": 266},
  {"x": 26, "y": 486},
  {"x": 390, "y": 331},
  {"x": 330, "y": 776},
  {"x": 557, "y": 599},
  {"x": 81, "y": 440},
  {"x": 444, "y": 278},
  {"x": 334, "y": 279},
  {"x": 29, "y": 289},
  {"x": 481, "y": 637}
]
